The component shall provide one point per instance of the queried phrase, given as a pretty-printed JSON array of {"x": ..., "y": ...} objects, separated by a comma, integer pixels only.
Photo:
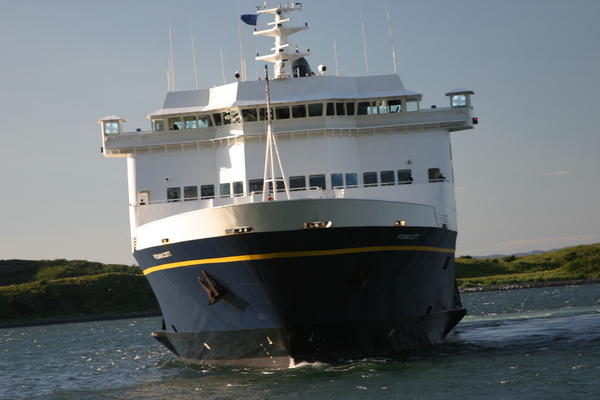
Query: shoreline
[
  {"x": 529, "y": 285},
  {"x": 157, "y": 313}
]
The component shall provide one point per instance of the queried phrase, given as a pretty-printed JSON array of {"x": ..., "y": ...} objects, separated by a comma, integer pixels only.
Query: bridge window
[
  {"x": 349, "y": 108},
  {"x": 395, "y": 106},
  {"x": 299, "y": 111},
  {"x": 236, "y": 118},
  {"x": 111, "y": 127},
  {"x": 263, "y": 113},
  {"x": 190, "y": 193},
  {"x": 363, "y": 108},
  {"x": 280, "y": 185},
  {"x": 315, "y": 110},
  {"x": 250, "y": 114},
  {"x": 282, "y": 112},
  {"x": 207, "y": 192},
  {"x": 435, "y": 175},
  {"x": 173, "y": 194},
  {"x": 297, "y": 182},
  {"x": 226, "y": 118},
  {"x": 412, "y": 105},
  {"x": 204, "y": 121},
  {"x": 340, "y": 108},
  {"x": 175, "y": 123},
  {"x": 218, "y": 119},
  {"x": 459, "y": 100},
  {"x": 330, "y": 109},
  {"x": 370, "y": 179},
  {"x": 387, "y": 178},
  {"x": 159, "y": 125},
  {"x": 404, "y": 176},
  {"x": 318, "y": 181}
]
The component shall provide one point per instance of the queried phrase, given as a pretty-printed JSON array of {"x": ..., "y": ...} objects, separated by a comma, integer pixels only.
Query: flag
[{"x": 250, "y": 19}]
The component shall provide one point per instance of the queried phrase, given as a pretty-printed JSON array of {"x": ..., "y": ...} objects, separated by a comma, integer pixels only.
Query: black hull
[{"x": 312, "y": 295}]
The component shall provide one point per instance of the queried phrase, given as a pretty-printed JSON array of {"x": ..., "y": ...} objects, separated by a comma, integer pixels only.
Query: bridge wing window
[
  {"x": 225, "y": 189},
  {"x": 337, "y": 181},
  {"x": 351, "y": 180},
  {"x": 238, "y": 188},
  {"x": 412, "y": 105},
  {"x": 404, "y": 176},
  {"x": 299, "y": 111},
  {"x": 459, "y": 100},
  {"x": 158, "y": 125},
  {"x": 387, "y": 178},
  {"x": 315, "y": 110}
]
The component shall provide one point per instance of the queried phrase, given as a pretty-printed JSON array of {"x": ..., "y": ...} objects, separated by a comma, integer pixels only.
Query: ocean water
[{"x": 522, "y": 344}]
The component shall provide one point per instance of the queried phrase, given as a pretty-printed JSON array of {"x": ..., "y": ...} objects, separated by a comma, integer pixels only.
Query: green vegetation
[
  {"x": 61, "y": 288},
  {"x": 581, "y": 262}
]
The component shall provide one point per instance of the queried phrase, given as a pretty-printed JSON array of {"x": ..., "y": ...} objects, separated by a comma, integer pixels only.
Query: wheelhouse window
[
  {"x": 395, "y": 106},
  {"x": 190, "y": 193},
  {"x": 282, "y": 112},
  {"x": 175, "y": 123},
  {"x": 330, "y": 109},
  {"x": 263, "y": 113},
  {"x": 173, "y": 194},
  {"x": 337, "y": 181},
  {"x": 340, "y": 108},
  {"x": 404, "y": 176},
  {"x": 435, "y": 175},
  {"x": 317, "y": 181},
  {"x": 280, "y": 185},
  {"x": 235, "y": 116},
  {"x": 349, "y": 108},
  {"x": 315, "y": 110},
  {"x": 158, "y": 125},
  {"x": 299, "y": 111},
  {"x": 207, "y": 192},
  {"x": 363, "y": 108},
  {"x": 250, "y": 114},
  {"x": 297, "y": 182},
  {"x": 387, "y": 178},
  {"x": 218, "y": 120},
  {"x": 190, "y": 122},
  {"x": 370, "y": 179},
  {"x": 204, "y": 121},
  {"x": 225, "y": 190},
  {"x": 226, "y": 116},
  {"x": 459, "y": 100},
  {"x": 412, "y": 105}
]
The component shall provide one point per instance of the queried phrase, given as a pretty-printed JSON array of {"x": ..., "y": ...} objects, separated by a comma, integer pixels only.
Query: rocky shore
[{"x": 529, "y": 285}]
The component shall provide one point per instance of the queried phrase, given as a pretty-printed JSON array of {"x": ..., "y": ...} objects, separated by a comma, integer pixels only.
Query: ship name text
[
  {"x": 160, "y": 256},
  {"x": 404, "y": 236}
]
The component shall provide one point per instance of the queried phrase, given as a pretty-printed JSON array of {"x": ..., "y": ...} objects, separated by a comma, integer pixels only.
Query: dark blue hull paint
[{"x": 396, "y": 292}]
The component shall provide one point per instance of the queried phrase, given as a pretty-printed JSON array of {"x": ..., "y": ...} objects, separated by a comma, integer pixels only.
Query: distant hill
[
  {"x": 528, "y": 253},
  {"x": 61, "y": 288},
  {"x": 571, "y": 263}
]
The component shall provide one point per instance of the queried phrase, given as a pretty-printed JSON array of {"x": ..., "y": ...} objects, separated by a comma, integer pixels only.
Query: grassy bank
[
  {"x": 60, "y": 288},
  {"x": 570, "y": 264}
]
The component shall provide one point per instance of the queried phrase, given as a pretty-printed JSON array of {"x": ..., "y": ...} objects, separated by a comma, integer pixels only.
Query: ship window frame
[
  {"x": 158, "y": 125},
  {"x": 350, "y": 108},
  {"x": 112, "y": 128},
  {"x": 282, "y": 112},
  {"x": 218, "y": 119},
  {"x": 362, "y": 107},
  {"x": 204, "y": 121},
  {"x": 317, "y": 181},
  {"x": 262, "y": 113},
  {"x": 370, "y": 179},
  {"x": 299, "y": 111},
  {"x": 190, "y": 193},
  {"x": 337, "y": 181},
  {"x": 315, "y": 109},
  {"x": 249, "y": 114},
  {"x": 395, "y": 105},
  {"x": 173, "y": 194},
  {"x": 458, "y": 100},
  {"x": 412, "y": 105},
  {"x": 207, "y": 192},
  {"x": 175, "y": 123},
  {"x": 403, "y": 174},
  {"x": 330, "y": 109},
  {"x": 225, "y": 190},
  {"x": 238, "y": 188},
  {"x": 280, "y": 185},
  {"x": 351, "y": 179},
  {"x": 388, "y": 178},
  {"x": 297, "y": 183},
  {"x": 226, "y": 115},
  {"x": 235, "y": 116},
  {"x": 256, "y": 186},
  {"x": 340, "y": 108}
]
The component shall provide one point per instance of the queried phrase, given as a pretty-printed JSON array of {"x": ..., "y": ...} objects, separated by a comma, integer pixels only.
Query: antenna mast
[
  {"x": 272, "y": 151},
  {"x": 391, "y": 36},
  {"x": 362, "y": 24}
]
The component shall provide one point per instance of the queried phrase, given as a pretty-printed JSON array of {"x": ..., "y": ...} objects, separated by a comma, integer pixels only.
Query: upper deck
[{"x": 314, "y": 103}]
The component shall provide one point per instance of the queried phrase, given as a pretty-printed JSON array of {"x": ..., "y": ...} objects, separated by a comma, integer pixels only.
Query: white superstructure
[{"x": 361, "y": 139}]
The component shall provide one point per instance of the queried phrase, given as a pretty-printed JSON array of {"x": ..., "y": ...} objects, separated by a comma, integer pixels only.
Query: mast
[
  {"x": 283, "y": 56},
  {"x": 270, "y": 174}
]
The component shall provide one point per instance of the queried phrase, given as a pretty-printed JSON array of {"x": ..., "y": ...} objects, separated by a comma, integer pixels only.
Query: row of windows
[
  {"x": 349, "y": 180},
  {"x": 252, "y": 114}
]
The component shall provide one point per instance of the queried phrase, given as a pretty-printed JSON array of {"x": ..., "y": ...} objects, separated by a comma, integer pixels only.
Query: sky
[{"x": 526, "y": 177}]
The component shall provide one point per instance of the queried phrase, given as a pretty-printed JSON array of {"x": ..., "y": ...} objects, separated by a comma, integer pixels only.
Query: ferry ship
[{"x": 302, "y": 218}]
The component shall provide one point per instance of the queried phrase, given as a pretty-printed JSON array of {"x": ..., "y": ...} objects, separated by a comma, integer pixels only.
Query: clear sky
[{"x": 526, "y": 177}]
